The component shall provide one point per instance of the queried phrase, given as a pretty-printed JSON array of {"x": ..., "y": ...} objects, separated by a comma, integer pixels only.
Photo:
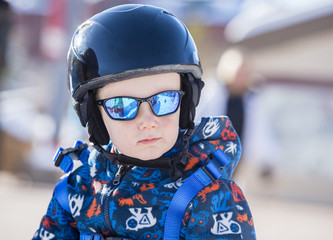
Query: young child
[{"x": 135, "y": 77}]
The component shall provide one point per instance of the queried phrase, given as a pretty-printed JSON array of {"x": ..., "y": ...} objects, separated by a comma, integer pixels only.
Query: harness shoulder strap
[
  {"x": 61, "y": 193},
  {"x": 64, "y": 159},
  {"x": 209, "y": 172}
]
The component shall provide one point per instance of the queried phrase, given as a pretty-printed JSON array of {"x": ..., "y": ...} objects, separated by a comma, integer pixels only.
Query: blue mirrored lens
[
  {"x": 165, "y": 103},
  {"x": 122, "y": 108}
]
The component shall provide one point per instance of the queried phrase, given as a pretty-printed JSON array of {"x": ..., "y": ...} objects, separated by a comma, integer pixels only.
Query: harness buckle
[
  {"x": 215, "y": 163},
  {"x": 64, "y": 157}
]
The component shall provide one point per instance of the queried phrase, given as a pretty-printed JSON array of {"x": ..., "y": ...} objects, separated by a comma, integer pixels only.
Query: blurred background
[{"x": 268, "y": 65}]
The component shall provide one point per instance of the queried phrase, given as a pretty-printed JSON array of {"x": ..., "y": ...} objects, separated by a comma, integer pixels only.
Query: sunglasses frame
[{"x": 139, "y": 101}]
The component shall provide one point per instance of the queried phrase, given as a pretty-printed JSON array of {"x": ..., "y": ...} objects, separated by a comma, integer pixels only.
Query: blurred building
[{"x": 290, "y": 44}]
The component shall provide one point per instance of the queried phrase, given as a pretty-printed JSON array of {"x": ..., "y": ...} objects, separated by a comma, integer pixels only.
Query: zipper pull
[{"x": 119, "y": 174}]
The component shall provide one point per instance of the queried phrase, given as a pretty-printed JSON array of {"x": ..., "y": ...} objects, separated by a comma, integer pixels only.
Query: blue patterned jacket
[{"x": 136, "y": 208}]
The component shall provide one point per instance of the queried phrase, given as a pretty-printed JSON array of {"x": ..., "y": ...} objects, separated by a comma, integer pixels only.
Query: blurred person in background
[
  {"x": 234, "y": 71},
  {"x": 236, "y": 94}
]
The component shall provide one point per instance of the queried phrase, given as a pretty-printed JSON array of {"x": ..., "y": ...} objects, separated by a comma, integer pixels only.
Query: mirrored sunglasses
[{"x": 126, "y": 108}]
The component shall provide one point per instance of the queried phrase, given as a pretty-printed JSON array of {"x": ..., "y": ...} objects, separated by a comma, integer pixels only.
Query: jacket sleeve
[
  {"x": 57, "y": 223},
  {"x": 219, "y": 211}
]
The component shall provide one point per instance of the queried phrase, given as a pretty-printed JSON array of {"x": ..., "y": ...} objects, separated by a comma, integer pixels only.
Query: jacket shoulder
[{"x": 221, "y": 210}]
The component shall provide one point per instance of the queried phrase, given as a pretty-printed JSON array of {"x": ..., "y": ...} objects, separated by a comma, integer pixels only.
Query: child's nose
[{"x": 146, "y": 117}]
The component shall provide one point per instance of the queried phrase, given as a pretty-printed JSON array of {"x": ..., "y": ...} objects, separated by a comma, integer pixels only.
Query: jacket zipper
[{"x": 119, "y": 174}]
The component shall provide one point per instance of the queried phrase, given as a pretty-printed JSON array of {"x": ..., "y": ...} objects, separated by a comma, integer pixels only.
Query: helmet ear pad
[
  {"x": 190, "y": 100},
  {"x": 91, "y": 118}
]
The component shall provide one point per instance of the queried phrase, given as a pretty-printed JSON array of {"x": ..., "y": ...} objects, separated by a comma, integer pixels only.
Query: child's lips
[{"x": 149, "y": 140}]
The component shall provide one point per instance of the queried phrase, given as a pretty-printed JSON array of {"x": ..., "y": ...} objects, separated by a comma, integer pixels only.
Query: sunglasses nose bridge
[
  {"x": 145, "y": 110},
  {"x": 142, "y": 100}
]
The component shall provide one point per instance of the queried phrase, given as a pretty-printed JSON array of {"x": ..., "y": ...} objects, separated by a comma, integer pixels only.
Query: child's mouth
[{"x": 149, "y": 140}]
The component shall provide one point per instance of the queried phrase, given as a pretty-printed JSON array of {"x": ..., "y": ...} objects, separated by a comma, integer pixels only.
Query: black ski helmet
[{"x": 129, "y": 41}]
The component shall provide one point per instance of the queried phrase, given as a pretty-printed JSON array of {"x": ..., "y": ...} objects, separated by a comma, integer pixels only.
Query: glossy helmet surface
[{"x": 124, "y": 42}]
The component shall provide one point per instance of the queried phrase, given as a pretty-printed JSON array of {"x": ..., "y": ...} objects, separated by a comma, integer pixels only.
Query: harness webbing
[
  {"x": 205, "y": 175},
  {"x": 61, "y": 193}
]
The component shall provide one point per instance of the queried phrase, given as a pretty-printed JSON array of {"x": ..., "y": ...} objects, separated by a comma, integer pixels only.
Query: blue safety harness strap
[
  {"x": 64, "y": 159},
  {"x": 209, "y": 172},
  {"x": 61, "y": 193}
]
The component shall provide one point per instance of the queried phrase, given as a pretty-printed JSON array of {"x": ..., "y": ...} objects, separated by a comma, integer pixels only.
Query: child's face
[{"x": 146, "y": 136}]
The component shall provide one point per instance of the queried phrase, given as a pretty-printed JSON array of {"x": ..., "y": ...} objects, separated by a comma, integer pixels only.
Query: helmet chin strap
[{"x": 168, "y": 163}]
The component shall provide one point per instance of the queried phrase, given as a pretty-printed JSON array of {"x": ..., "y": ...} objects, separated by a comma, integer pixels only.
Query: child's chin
[{"x": 149, "y": 156}]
